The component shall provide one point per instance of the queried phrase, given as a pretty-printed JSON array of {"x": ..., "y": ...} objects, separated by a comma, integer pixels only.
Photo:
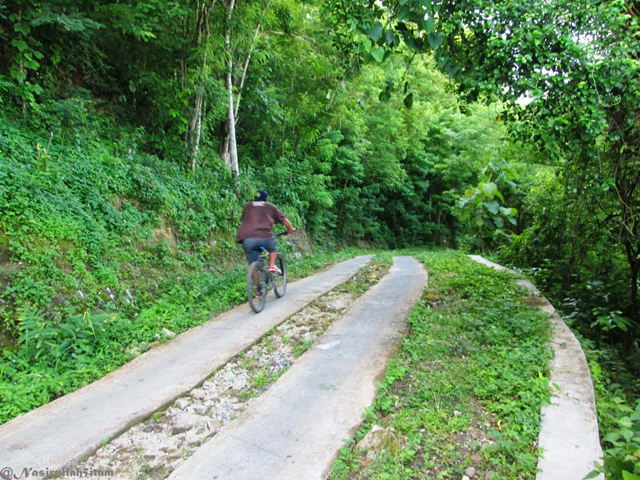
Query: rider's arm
[{"x": 287, "y": 224}]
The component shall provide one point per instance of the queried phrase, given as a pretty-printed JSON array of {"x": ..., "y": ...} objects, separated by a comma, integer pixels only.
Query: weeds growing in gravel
[{"x": 225, "y": 394}]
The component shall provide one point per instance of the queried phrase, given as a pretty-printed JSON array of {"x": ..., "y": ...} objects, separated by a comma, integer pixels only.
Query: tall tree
[
  {"x": 230, "y": 152},
  {"x": 577, "y": 63},
  {"x": 202, "y": 37}
]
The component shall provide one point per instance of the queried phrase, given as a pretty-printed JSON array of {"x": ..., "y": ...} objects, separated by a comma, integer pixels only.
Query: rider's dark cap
[{"x": 261, "y": 196}]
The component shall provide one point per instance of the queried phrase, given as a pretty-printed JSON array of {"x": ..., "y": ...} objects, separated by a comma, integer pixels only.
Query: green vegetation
[
  {"x": 566, "y": 74},
  {"x": 467, "y": 384},
  {"x": 132, "y": 133},
  {"x": 55, "y": 356},
  {"x": 110, "y": 233},
  {"x": 619, "y": 419},
  {"x": 104, "y": 253}
]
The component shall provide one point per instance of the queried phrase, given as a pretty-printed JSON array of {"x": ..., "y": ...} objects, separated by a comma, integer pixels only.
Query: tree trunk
[
  {"x": 247, "y": 60},
  {"x": 232, "y": 148},
  {"x": 194, "y": 130},
  {"x": 197, "y": 128},
  {"x": 229, "y": 146},
  {"x": 231, "y": 157}
]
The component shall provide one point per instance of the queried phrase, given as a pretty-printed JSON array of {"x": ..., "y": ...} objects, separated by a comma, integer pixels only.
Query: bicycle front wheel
[
  {"x": 256, "y": 286},
  {"x": 280, "y": 281}
]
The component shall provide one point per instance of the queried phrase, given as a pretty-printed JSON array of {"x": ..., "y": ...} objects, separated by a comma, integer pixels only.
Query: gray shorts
[{"x": 252, "y": 247}]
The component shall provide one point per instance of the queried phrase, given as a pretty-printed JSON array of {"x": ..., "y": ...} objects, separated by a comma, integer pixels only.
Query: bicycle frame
[{"x": 260, "y": 281}]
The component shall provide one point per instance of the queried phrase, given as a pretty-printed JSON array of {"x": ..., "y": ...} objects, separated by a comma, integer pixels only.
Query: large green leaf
[
  {"x": 489, "y": 189},
  {"x": 493, "y": 207},
  {"x": 506, "y": 211},
  {"x": 442, "y": 59},
  {"x": 390, "y": 38},
  {"x": 404, "y": 13},
  {"x": 429, "y": 24},
  {"x": 451, "y": 69},
  {"x": 19, "y": 44},
  {"x": 376, "y": 32},
  {"x": 435, "y": 40},
  {"x": 377, "y": 52}
]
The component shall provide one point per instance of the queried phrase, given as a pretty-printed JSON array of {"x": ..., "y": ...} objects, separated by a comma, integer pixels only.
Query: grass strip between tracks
[{"x": 465, "y": 388}]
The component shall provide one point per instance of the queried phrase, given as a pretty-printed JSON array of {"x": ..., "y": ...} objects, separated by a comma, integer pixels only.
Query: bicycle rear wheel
[
  {"x": 256, "y": 286},
  {"x": 280, "y": 281}
]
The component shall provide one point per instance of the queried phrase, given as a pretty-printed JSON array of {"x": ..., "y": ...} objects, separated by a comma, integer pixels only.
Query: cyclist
[{"x": 256, "y": 231}]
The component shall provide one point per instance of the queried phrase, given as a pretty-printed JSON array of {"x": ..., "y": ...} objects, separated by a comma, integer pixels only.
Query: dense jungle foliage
[{"x": 132, "y": 132}]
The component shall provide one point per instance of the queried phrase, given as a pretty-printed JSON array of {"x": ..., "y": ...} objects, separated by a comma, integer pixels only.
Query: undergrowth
[
  {"x": 53, "y": 358},
  {"x": 105, "y": 249},
  {"x": 618, "y": 414},
  {"x": 466, "y": 386}
]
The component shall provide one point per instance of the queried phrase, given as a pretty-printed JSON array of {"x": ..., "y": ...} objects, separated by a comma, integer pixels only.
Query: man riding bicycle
[{"x": 256, "y": 231}]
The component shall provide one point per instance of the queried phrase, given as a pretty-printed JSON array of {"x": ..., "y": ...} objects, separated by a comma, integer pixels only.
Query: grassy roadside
[
  {"x": 56, "y": 358},
  {"x": 466, "y": 386}
]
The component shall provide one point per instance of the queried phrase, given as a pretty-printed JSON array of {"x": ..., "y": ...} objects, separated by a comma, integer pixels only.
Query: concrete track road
[
  {"x": 569, "y": 436},
  {"x": 59, "y": 434},
  {"x": 295, "y": 429}
]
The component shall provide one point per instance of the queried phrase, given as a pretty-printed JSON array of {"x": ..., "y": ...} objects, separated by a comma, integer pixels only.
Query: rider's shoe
[{"x": 275, "y": 270}]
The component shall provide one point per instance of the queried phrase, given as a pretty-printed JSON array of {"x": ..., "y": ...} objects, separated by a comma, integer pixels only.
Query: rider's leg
[
  {"x": 272, "y": 247},
  {"x": 272, "y": 258},
  {"x": 270, "y": 244},
  {"x": 252, "y": 255}
]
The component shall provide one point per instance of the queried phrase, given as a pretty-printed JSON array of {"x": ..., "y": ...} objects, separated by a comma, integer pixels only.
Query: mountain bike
[{"x": 260, "y": 281}]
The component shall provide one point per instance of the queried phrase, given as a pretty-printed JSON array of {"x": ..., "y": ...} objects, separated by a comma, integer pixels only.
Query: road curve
[{"x": 569, "y": 436}]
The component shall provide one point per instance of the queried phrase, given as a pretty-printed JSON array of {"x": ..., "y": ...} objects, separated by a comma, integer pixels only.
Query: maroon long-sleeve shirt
[{"x": 258, "y": 219}]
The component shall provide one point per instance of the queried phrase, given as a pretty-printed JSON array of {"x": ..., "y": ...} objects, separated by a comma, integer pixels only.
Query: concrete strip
[
  {"x": 569, "y": 434},
  {"x": 295, "y": 429},
  {"x": 65, "y": 431}
]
